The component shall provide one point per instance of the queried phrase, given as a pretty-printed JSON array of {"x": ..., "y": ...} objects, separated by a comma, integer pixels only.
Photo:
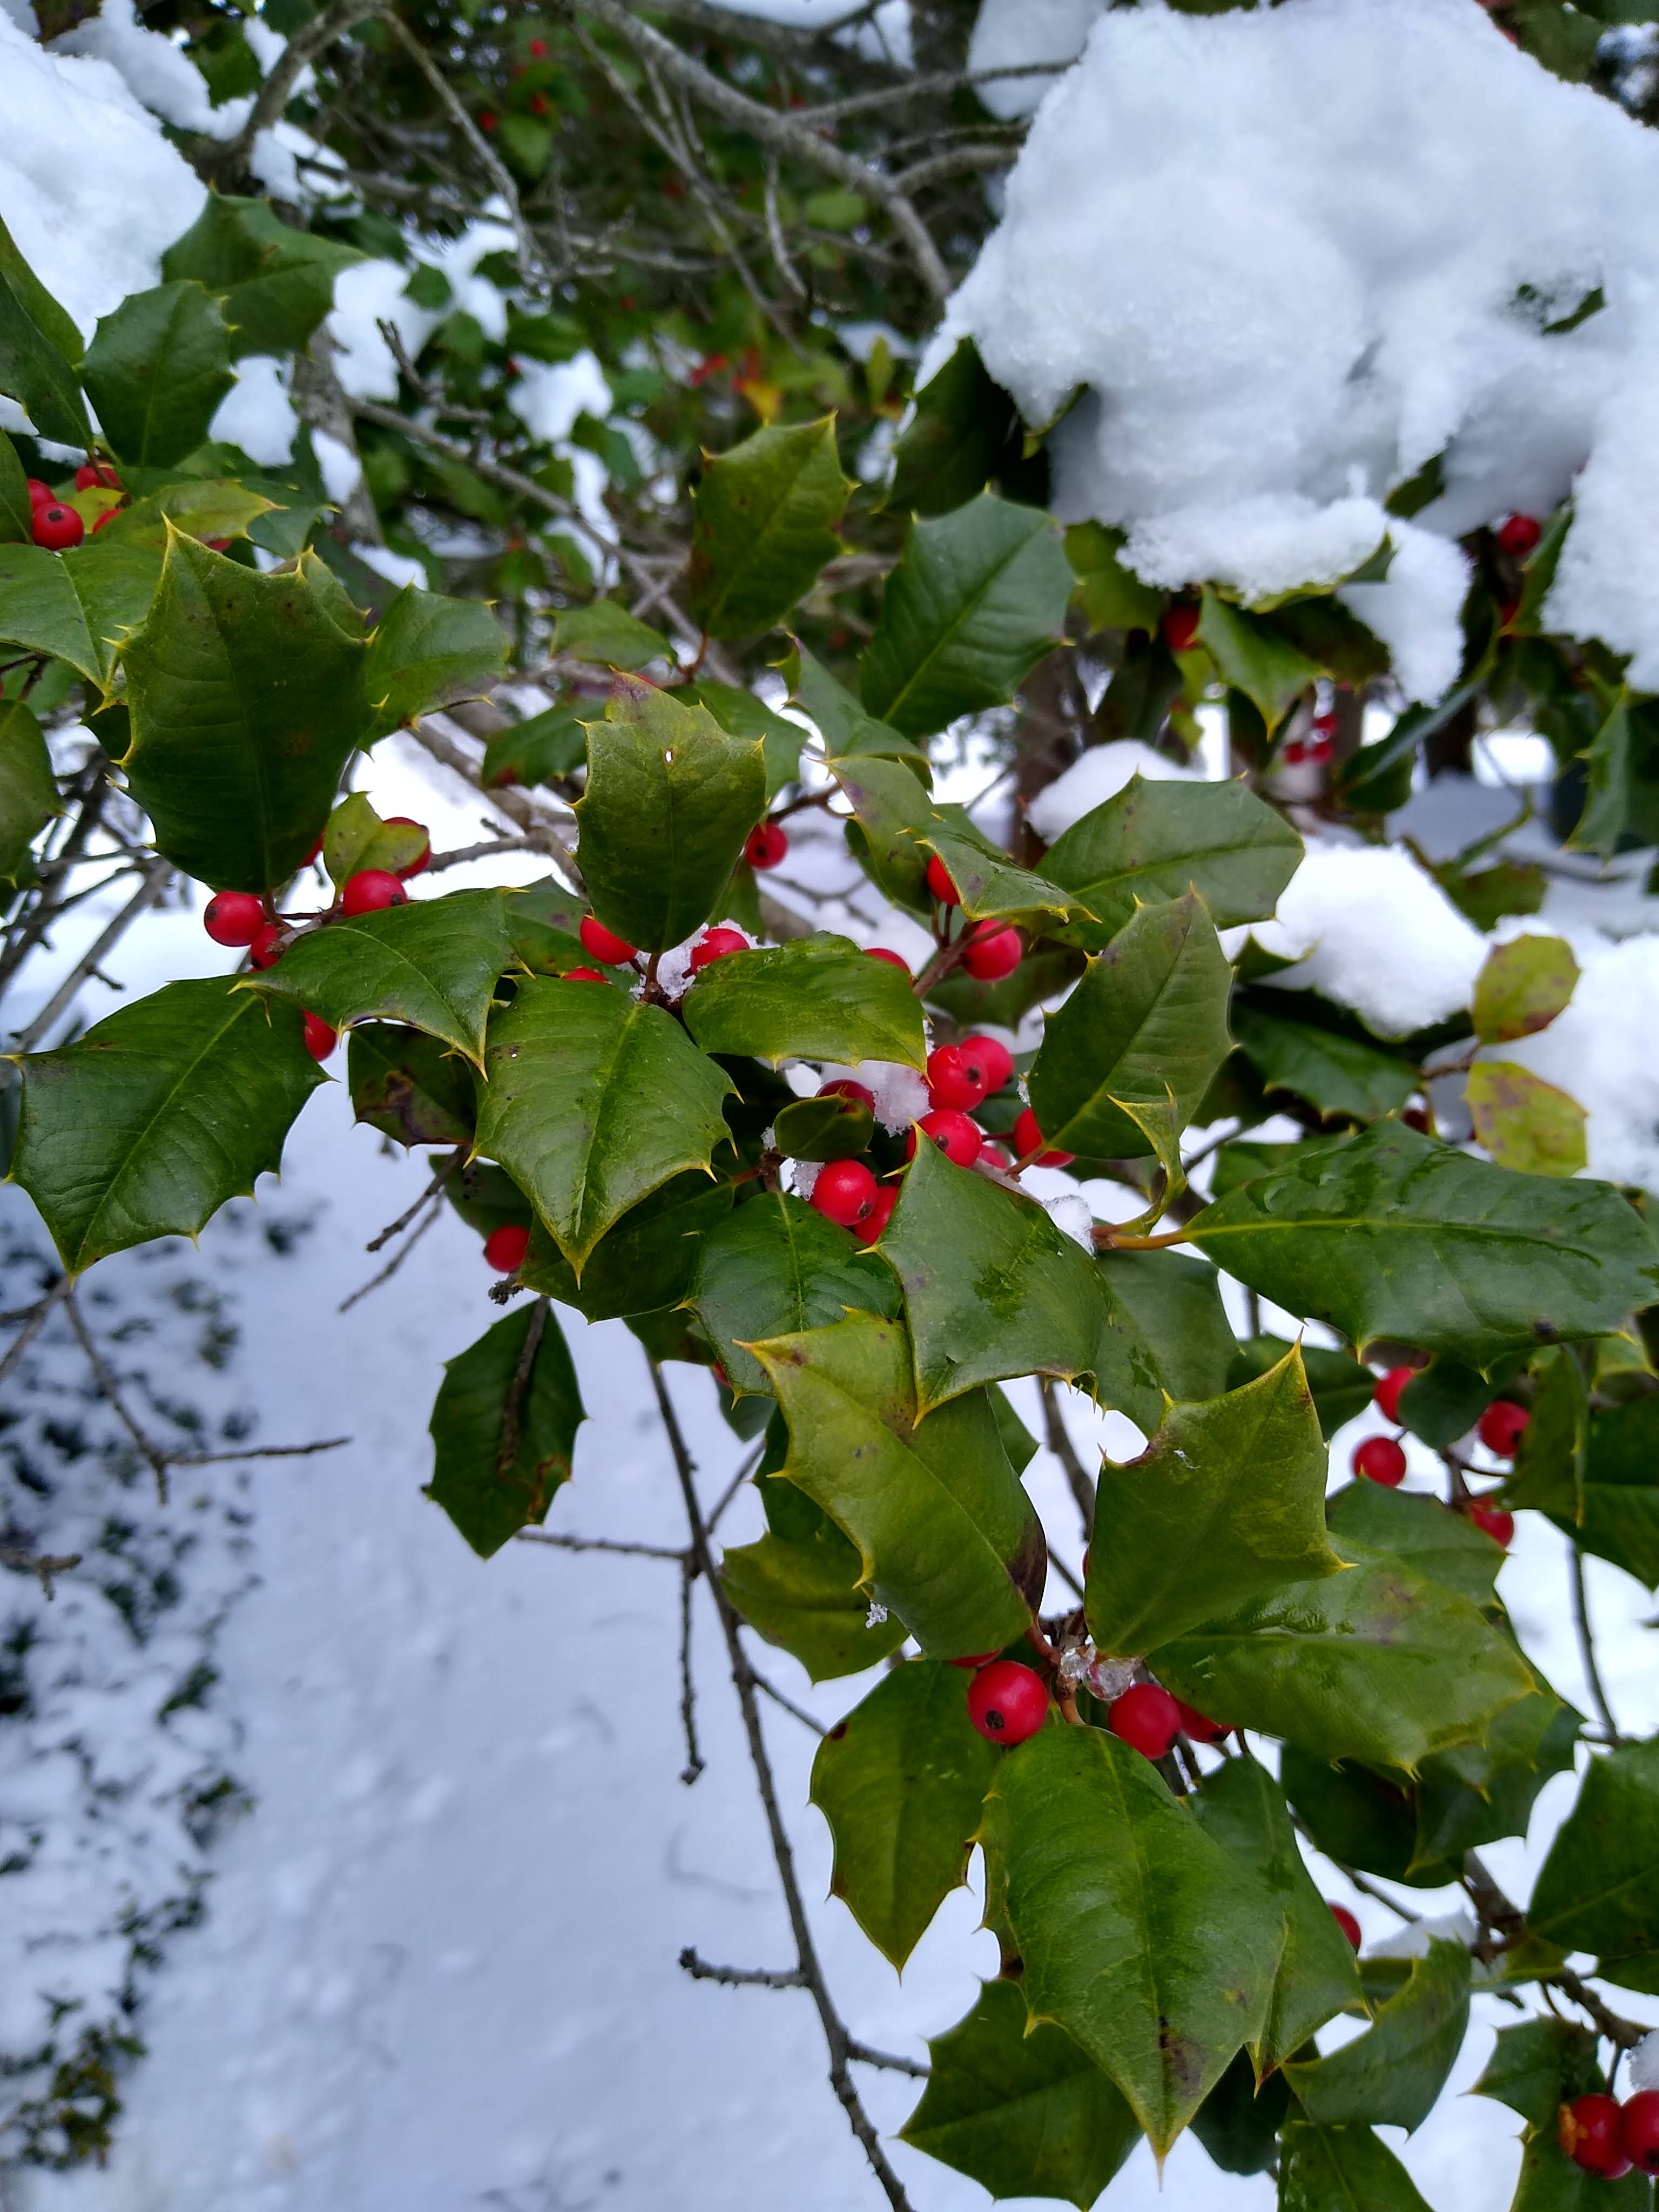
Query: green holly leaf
[
  {"x": 975, "y": 600},
  {"x": 1619, "y": 1516},
  {"x": 357, "y": 838},
  {"x": 775, "y": 1267},
  {"x": 669, "y": 800},
  {"x": 648, "y": 1262},
  {"x": 1158, "y": 840},
  {"x": 1599, "y": 1888},
  {"x": 1522, "y": 988},
  {"x": 836, "y": 1128},
  {"x": 763, "y": 524},
  {"x": 799, "y": 1586},
  {"x": 17, "y": 512},
  {"x": 1238, "y": 2124},
  {"x": 547, "y": 746},
  {"x": 1552, "y": 1461},
  {"x": 1147, "y": 1026},
  {"x": 1343, "y": 2169},
  {"x": 1342, "y": 1387},
  {"x": 1166, "y": 1332},
  {"x": 816, "y": 997},
  {"x": 275, "y": 284},
  {"x": 961, "y": 425},
  {"x": 247, "y": 703},
  {"x": 1391, "y": 1236},
  {"x": 1254, "y": 658},
  {"x": 1525, "y": 1123},
  {"x": 1444, "y": 1400},
  {"x": 741, "y": 714},
  {"x": 845, "y": 729},
  {"x": 1109, "y": 594},
  {"x": 947, "y": 1538},
  {"x": 53, "y": 322},
  {"x": 1227, "y": 1502},
  {"x": 28, "y": 789},
  {"x": 1549, "y": 2180},
  {"x": 411, "y": 1087},
  {"x": 146, "y": 1125},
  {"x": 1376, "y": 1664},
  {"x": 503, "y": 1428},
  {"x": 1020, "y": 2109},
  {"x": 428, "y": 651},
  {"x": 156, "y": 370},
  {"x": 1480, "y": 1793},
  {"x": 434, "y": 964},
  {"x": 901, "y": 1781},
  {"x": 1337, "y": 1074},
  {"x": 1150, "y": 1945},
  {"x": 1538, "y": 2066},
  {"x": 204, "y": 508},
  {"x": 1360, "y": 1818},
  {"x": 75, "y": 606},
  {"x": 1244, "y": 1808},
  {"x": 1445, "y": 1546},
  {"x": 545, "y": 923},
  {"x": 991, "y": 1287},
  {"x": 1392, "y": 2073},
  {"x": 35, "y": 373},
  {"x": 592, "y": 1100},
  {"x": 608, "y": 636}
]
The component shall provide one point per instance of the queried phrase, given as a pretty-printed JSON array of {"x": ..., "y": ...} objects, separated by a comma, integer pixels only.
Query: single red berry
[
  {"x": 716, "y": 944},
  {"x": 957, "y": 1137},
  {"x": 1028, "y": 1142},
  {"x": 951, "y": 1082},
  {"x": 844, "y": 1192},
  {"x": 1321, "y": 751},
  {"x": 1007, "y": 1702},
  {"x": 57, "y": 527},
  {"x": 320, "y": 1040},
  {"x": 1293, "y": 753},
  {"x": 1147, "y": 1717},
  {"x": 995, "y": 1155},
  {"x": 422, "y": 860},
  {"x": 978, "y": 1659},
  {"x": 40, "y": 494},
  {"x": 881, "y": 1213},
  {"x": 1517, "y": 535},
  {"x": 1386, "y": 1396},
  {"x": 1324, "y": 725},
  {"x": 893, "y": 959},
  {"x": 372, "y": 890},
  {"x": 1380, "y": 1459},
  {"x": 720, "y": 1374},
  {"x": 1416, "y": 1117},
  {"x": 1501, "y": 1427},
  {"x": 767, "y": 845},
  {"x": 1638, "y": 2129},
  {"x": 234, "y": 917},
  {"x": 939, "y": 883},
  {"x": 1499, "y": 1525},
  {"x": 538, "y": 49},
  {"x": 504, "y": 1248},
  {"x": 1350, "y": 1926},
  {"x": 96, "y": 476},
  {"x": 842, "y": 1086},
  {"x": 1199, "y": 1726},
  {"x": 268, "y": 944},
  {"x": 217, "y": 544},
  {"x": 108, "y": 515},
  {"x": 1588, "y": 2131},
  {"x": 992, "y": 952},
  {"x": 585, "y": 975},
  {"x": 1508, "y": 606},
  {"x": 314, "y": 854},
  {"x": 1180, "y": 627},
  {"x": 487, "y": 119},
  {"x": 605, "y": 944},
  {"x": 993, "y": 1061}
]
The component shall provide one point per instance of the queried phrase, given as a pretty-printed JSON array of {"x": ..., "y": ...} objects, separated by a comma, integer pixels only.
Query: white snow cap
[
  {"x": 1233, "y": 231},
  {"x": 1412, "y": 1941},
  {"x": 900, "y": 1094},
  {"x": 1070, "y": 1212},
  {"x": 1098, "y": 774},
  {"x": 156, "y": 71},
  {"x": 1022, "y": 33},
  {"x": 256, "y": 413},
  {"x": 1644, "y": 2062}
]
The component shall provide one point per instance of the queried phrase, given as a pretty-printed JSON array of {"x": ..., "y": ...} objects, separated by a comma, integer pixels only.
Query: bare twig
[
  {"x": 229, "y": 160},
  {"x": 868, "y": 2055},
  {"x": 41, "y": 1564},
  {"x": 745, "y": 1468},
  {"x": 513, "y": 1411},
  {"x": 1580, "y": 1622},
  {"x": 1060, "y": 1444},
  {"x": 775, "y": 236},
  {"x": 255, "y": 1451},
  {"x": 561, "y": 1543},
  {"x": 395, "y": 1263},
  {"x": 795, "y": 1712},
  {"x": 487, "y": 851},
  {"x": 157, "y": 876},
  {"x": 35, "y": 1320},
  {"x": 738, "y": 1978},
  {"x": 694, "y": 1761},
  {"x": 408, "y": 1213},
  {"x": 111, "y": 1391}
]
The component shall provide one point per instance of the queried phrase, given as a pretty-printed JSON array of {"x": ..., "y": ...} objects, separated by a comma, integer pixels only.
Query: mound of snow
[{"x": 1097, "y": 775}]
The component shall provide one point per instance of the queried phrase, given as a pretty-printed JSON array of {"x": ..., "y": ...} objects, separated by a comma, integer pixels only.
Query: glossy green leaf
[
  {"x": 1147, "y": 1942},
  {"x": 1524, "y": 1123},
  {"x": 902, "y": 828},
  {"x": 669, "y": 800},
  {"x": 1522, "y": 987},
  {"x": 1360, "y": 1818},
  {"x": 960, "y": 424},
  {"x": 1337, "y": 1074},
  {"x": 1619, "y": 1516},
  {"x": 1341, "y": 1386},
  {"x": 1343, "y": 2169},
  {"x": 410, "y": 1086},
  {"x": 1147, "y": 1024},
  {"x": 608, "y": 636},
  {"x": 202, "y": 507},
  {"x": 1165, "y": 1334},
  {"x": 156, "y": 370},
  {"x": 1158, "y": 840},
  {"x": 1445, "y": 1546},
  {"x": 814, "y": 998},
  {"x": 647, "y": 1261},
  {"x": 17, "y": 512},
  {"x": 545, "y": 922},
  {"x": 546, "y": 746},
  {"x": 1020, "y": 2110},
  {"x": 53, "y": 322},
  {"x": 1599, "y": 1888},
  {"x": 1537, "y": 2066},
  {"x": 1444, "y": 1400},
  {"x": 1238, "y": 2124},
  {"x": 1479, "y": 1793},
  {"x": 1109, "y": 593},
  {"x": 1551, "y": 2182},
  {"x": 75, "y": 606},
  {"x": 901, "y": 1781},
  {"x": 357, "y": 838},
  {"x": 247, "y": 703},
  {"x": 146, "y": 1125},
  {"x": 799, "y": 1587},
  {"x": 741, "y": 714},
  {"x": 1551, "y": 1462},
  {"x": 841, "y": 722},
  {"x": 1395, "y": 1236},
  {"x": 775, "y": 1267},
  {"x": 947, "y": 1538},
  {"x": 1392, "y": 2074},
  {"x": 504, "y": 1426},
  {"x": 1254, "y": 658},
  {"x": 426, "y": 652},
  {"x": 28, "y": 789},
  {"x": 35, "y": 373},
  {"x": 975, "y": 600},
  {"x": 763, "y": 524},
  {"x": 836, "y": 1127},
  {"x": 275, "y": 284},
  {"x": 1227, "y": 1502}
]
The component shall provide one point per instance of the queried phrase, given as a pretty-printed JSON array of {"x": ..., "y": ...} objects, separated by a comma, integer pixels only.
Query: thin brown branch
[
  {"x": 255, "y": 1451},
  {"x": 111, "y": 1390},
  {"x": 513, "y": 1411},
  {"x": 393, "y": 1228},
  {"x": 34, "y": 1319},
  {"x": 394, "y": 1263},
  {"x": 559, "y": 1542},
  {"x": 1060, "y": 1443},
  {"x": 227, "y": 163},
  {"x": 693, "y": 1759},
  {"x": 959, "y": 162},
  {"x": 157, "y": 876},
  {"x": 1580, "y": 1622},
  {"x": 43, "y": 1565},
  {"x": 742, "y": 1978},
  {"x": 867, "y": 2055},
  {"x": 795, "y": 1712}
]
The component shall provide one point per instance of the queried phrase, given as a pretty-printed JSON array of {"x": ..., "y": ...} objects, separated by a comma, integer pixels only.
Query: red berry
[
  {"x": 1501, "y": 1426},
  {"x": 1416, "y": 1117},
  {"x": 939, "y": 883},
  {"x": 314, "y": 854},
  {"x": 605, "y": 944},
  {"x": 1588, "y": 2131},
  {"x": 1499, "y": 1525},
  {"x": 504, "y": 1248},
  {"x": 422, "y": 860},
  {"x": 893, "y": 959},
  {"x": 1199, "y": 1726},
  {"x": 487, "y": 119},
  {"x": 1147, "y": 1717},
  {"x": 995, "y": 1155},
  {"x": 268, "y": 944},
  {"x": 993, "y": 1061},
  {"x": 994, "y": 950},
  {"x": 1517, "y": 535},
  {"x": 538, "y": 49},
  {"x": 234, "y": 917},
  {"x": 767, "y": 845},
  {"x": 843, "y": 1086},
  {"x": 716, "y": 944},
  {"x": 108, "y": 515},
  {"x": 1007, "y": 1702},
  {"x": 1325, "y": 725},
  {"x": 1350, "y": 1926},
  {"x": 951, "y": 1082},
  {"x": 880, "y": 1213},
  {"x": 1180, "y": 627},
  {"x": 1380, "y": 1459},
  {"x": 96, "y": 476},
  {"x": 957, "y": 1137},
  {"x": 978, "y": 1659},
  {"x": 57, "y": 527},
  {"x": 585, "y": 975},
  {"x": 40, "y": 494},
  {"x": 320, "y": 1040},
  {"x": 844, "y": 1192},
  {"x": 1294, "y": 753},
  {"x": 1508, "y": 607},
  {"x": 1386, "y": 1396},
  {"x": 1028, "y": 1142},
  {"x": 1638, "y": 2129},
  {"x": 372, "y": 890}
]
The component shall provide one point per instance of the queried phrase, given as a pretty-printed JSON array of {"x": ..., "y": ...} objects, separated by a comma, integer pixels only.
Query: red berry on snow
[
  {"x": 1380, "y": 1459},
  {"x": 716, "y": 944},
  {"x": 605, "y": 944},
  {"x": 994, "y": 950},
  {"x": 372, "y": 890},
  {"x": 422, "y": 860},
  {"x": 1501, "y": 1426},
  {"x": 1147, "y": 1717},
  {"x": 957, "y": 1137},
  {"x": 234, "y": 917},
  {"x": 880, "y": 1213},
  {"x": 40, "y": 494},
  {"x": 992, "y": 1060},
  {"x": 320, "y": 1040},
  {"x": 1350, "y": 1926},
  {"x": 1638, "y": 2129},
  {"x": 1199, "y": 1726},
  {"x": 846, "y": 1192},
  {"x": 1386, "y": 1396},
  {"x": 1180, "y": 627},
  {"x": 951, "y": 1082},
  {"x": 978, "y": 1659},
  {"x": 939, "y": 883},
  {"x": 585, "y": 975},
  {"x": 1007, "y": 1702},
  {"x": 504, "y": 1248},
  {"x": 1588, "y": 2131},
  {"x": 1029, "y": 1141},
  {"x": 266, "y": 950},
  {"x": 57, "y": 527},
  {"x": 842, "y": 1086},
  {"x": 893, "y": 959},
  {"x": 767, "y": 845},
  {"x": 1499, "y": 1525},
  {"x": 1517, "y": 535}
]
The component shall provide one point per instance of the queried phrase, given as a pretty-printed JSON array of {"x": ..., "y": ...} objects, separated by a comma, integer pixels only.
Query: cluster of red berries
[
  {"x": 1608, "y": 2138},
  {"x": 57, "y": 527},
  {"x": 1319, "y": 747},
  {"x": 1382, "y": 1458},
  {"x": 993, "y": 949},
  {"x": 1007, "y": 1702}
]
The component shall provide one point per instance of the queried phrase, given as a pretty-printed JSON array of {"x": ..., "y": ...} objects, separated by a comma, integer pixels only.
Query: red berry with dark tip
[
  {"x": 977, "y": 1659},
  {"x": 957, "y": 1137},
  {"x": 605, "y": 944},
  {"x": 422, "y": 860},
  {"x": 1638, "y": 2129},
  {"x": 842, "y": 1086},
  {"x": 371, "y": 890},
  {"x": 1029, "y": 1144},
  {"x": 766, "y": 846},
  {"x": 1350, "y": 1926},
  {"x": 893, "y": 959},
  {"x": 1501, "y": 1427},
  {"x": 57, "y": 527},
  {"x": 951, "y": 1081},
  {"x": 993, "y": 1062},
  {"x": 320, "y": 1040},
  {"x": 1588, "y": 2131},
  {"x": 1519, "y": 534},
  {"x": 880, "y": 1213},
  {"x": 504, "y": 1248},
  {"x": 1380, "y": 1459},
  {"x": 992, "y": 952},
  {"x": 1199, "y": 1726},
  {"x": 267, "y": 947},
  {"x": 1147, "y": 1717},
  {"x": 583, "y": 975},
  {"x": 1498, "y": 1523},
  {"x": 41, "y": 494},
  {"x": 939, "y": 882},
  {"x": 1386, "y": 1396},
  {"x": 234, "y": 917},
  {"x": 1007, "y": 1702},
  {"x": 1180, "y": 628},
  {"x": 846, "y": 1192},
  {"x": 716, "y": 944}
]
